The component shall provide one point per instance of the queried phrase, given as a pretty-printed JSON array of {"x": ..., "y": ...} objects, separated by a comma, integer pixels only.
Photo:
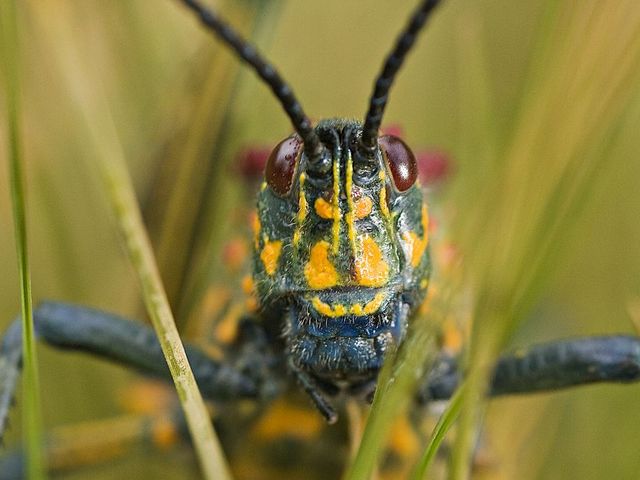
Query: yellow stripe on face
[
  {"x": 340, "y": 310},
  {"x": 349, "y": 217},
  {"x": 270, "y": 255},
  {"x": 384, "y": 208},
  {"x": 302, "y": 210},
  {"x": 336, "y": 206},
  {"x": 327, "y": 310},
  {"x": 369, "y": 308},
  {"x": 415, "y": 245},
  {"x": 319, "y": 271},
  {"x": 371, "y": 269}
]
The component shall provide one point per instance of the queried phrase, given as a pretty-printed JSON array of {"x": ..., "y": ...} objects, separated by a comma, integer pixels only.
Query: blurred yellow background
[{"x": 148, "y": 66}]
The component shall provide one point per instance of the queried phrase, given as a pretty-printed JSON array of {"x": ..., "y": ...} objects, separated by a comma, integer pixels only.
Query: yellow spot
[
  {"x": 255, "y": 226},
  {"x": 363, "y": 207},
  {"x": 287, "y": 420},
  {"x": 319, "y": 271},
  {"x": 164, "y": 433},
  {"x": 374, "y": 305},
  {"x": 370, "y": 307},
  {"x": 416, "y": 245},
  {"x": 323, "y": 208},
  {"x": 452, "y": 336},
  {"x": 270, "y": 255},
  {"x": 302, "y": 209},
  {"x": 384, "y": 208},
  {"x": 336, "y": 206},
  {"x": 234, "y": 254},
  {"x": 371, "y": 270},
  {"x": 251, "y": 303},
  {"x": 403, "y": 437},
  {"x": 146, "y": 397},
  {"x": 227, "y": 328},
  {"x": 247, "y": 284},
  {"x": 327, "y": 310}
]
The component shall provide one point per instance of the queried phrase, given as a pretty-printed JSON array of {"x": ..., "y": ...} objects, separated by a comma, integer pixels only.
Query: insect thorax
[{"x": 341, "y": 259}]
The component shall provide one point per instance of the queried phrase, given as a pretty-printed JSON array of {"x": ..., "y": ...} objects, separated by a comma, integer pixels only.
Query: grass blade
[
  {"x": 446, "y": 420},
  {"x": 90, "y": 99},
  {"x": 11, "y": 68}
]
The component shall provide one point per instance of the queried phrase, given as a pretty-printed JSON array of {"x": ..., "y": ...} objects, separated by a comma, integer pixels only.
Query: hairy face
[{"x": 341, "y": 249}]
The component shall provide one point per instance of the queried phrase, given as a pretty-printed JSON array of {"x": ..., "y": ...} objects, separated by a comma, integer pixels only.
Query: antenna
[
  {"x": 267, "y": 72},
  {"x": 386, "y": 77}
]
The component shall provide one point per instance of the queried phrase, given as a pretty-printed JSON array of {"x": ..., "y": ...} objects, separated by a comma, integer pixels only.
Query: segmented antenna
[
  {"x": 247, "y": 52},
  {"x": 391, "y": 66}
]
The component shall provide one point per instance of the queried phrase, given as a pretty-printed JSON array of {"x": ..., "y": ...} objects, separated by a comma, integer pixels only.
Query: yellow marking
[
  {"x": 263, "y": 186},
  {"x": 452, "y": 336},
  {"x": 146, "y": 397},
  {"x": 371, "y": 270},
  {"x": 302, "y": 209},
  {"x": 416, "y": 245},
  {"x": 336, "y": 206},
  {"x": 323, "y": 208},
  {"x": 384, "y": 208},
  {"x": 349, "y": 217},
  {"x": 363, "y": 207},
  {"x": 319, "y": 271},
  {"x": 251, "y": 304},
  {"x": 370, "y": 307},
  {"x": 327, "y": 310},
  {"x": 248, "y": 287},
  {"x": 270, "y": 255},
  {"x": 286, "y": 420},
  {"x": 227, "y": 328},
  {"x": 255, "y": 225},
  {"x": 234, "y": 254},
  {"x": 403, "y": 437},
  {"x": 164, "y": 433},
  {"x": 247, "y": 284}
]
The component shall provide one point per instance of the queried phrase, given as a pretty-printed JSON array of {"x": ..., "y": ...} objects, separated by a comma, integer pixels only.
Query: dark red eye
[
  {"x": 401, "y": 161},
  {"x": 281, "y": 165}
]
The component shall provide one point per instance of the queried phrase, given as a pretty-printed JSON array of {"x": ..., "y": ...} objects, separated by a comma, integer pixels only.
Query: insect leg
[
  {"x": 314, "y": 390},
  {"x": 548, "y": 366},
  {"x": 109, "y": 336}
]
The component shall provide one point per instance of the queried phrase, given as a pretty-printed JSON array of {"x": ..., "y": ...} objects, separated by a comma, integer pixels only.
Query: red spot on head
[
  {"x": 433, "y": 166},
  {"x": 394, "y": 129},
  {"x": 251, "y": 161}
]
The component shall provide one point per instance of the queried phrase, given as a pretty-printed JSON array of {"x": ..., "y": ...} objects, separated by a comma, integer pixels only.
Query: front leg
[
  {"x": 547, "y": 367},
  {"x": 132, "y": 344}
]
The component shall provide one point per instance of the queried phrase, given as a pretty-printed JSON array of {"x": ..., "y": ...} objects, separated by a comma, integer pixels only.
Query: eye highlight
[
  {"x": 402, "y": 164},
  {"x": 281, "y": 165}
]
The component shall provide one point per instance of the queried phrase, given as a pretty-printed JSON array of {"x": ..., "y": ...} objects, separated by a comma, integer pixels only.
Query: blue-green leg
[
  {"x": 547, "y": 367},
  {"x": 130, "y": 343}
]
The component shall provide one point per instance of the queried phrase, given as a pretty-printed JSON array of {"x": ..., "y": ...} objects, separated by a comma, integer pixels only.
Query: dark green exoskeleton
[
  {"x": 341, "y": 258},
  {"x": 341, "y": 262}
]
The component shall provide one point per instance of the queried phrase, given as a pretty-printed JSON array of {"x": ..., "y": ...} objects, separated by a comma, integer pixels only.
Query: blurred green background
[{"x": 179, "y": 102}]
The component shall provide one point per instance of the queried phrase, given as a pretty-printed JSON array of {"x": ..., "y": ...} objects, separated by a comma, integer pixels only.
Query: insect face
[{"x": 341, "y": 249}]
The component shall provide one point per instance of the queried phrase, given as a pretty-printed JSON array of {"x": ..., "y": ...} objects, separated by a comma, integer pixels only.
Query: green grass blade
[
  {"x": 445, "y": 422},
  {"x": 396, "y": 384},
  {"x": 120, "y": 191},
  {"x": 11, "y": 68},
  {"x": 103, "y": 145}
]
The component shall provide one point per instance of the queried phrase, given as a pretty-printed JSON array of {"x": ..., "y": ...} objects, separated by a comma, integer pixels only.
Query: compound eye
[
  {"x": 281, "y": 165},
  {"x": 401, "y": 162}
]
